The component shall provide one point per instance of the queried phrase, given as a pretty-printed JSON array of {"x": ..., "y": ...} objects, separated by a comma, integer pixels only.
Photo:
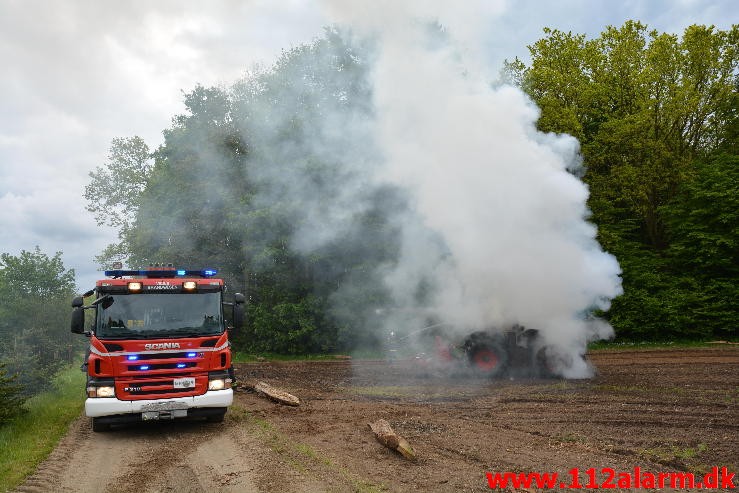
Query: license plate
[
  {"x": 184, "y": 383},
  {"x": 159, "y": 415}
]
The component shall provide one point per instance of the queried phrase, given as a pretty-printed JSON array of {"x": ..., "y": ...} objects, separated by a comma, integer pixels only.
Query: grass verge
[
  {"x": 300, "y": 456},
  {"x": 30, "y": 438},
  {"x": 240, "y": 357},
  {"x": 410, "y": 352},
  {"x": 647, "y": 345},
  {"x": 243, "y": 357}
]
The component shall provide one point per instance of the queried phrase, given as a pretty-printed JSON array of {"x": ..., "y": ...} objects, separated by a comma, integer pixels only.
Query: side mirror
[
  {"x": 107, "y": 300},
  {"x": 78, "y": 319},
  {"x": 238, "y": 318}
]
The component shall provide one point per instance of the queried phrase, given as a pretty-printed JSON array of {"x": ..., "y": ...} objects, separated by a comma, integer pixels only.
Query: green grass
[
  {"x": 572, "y": 438},
  {"x": 392, "y": 391},
  {"x": 241, "y": 357},
  {"x": 667, "y": 454},
  {"x": 28, "y": 440},
  {"x": 244, "y": 357},
  {"x": 372, "y": 354},
  {"x": 621, "y": 345}
]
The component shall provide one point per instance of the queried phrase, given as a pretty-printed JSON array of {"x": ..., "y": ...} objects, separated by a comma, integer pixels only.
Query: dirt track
[{"x": 662, "y": 410}]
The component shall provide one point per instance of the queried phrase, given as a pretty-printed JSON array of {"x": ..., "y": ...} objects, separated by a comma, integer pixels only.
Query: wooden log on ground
[
  {"x": 277, "y": 395},
  {"x": 386, "y": 436}
]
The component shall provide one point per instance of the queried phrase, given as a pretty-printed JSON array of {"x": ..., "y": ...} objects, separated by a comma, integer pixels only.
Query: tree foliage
[
  {"x": 247, "y": 173},
  {"x": 114, "y": 191},
  {"x": 217, "y": 194},
  {"x": 35, "y": 291},
  {"x": 10, "y": 396},
  {"x": 651, "y": 111}
]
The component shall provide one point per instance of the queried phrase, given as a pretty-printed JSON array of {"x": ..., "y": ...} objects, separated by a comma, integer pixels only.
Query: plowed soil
[{"x": 661, "y": 410}]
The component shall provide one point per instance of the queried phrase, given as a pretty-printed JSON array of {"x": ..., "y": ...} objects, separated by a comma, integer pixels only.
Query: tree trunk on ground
[
  {"x": 275, "y": 394},
  {"x": 386, "y": 436}
]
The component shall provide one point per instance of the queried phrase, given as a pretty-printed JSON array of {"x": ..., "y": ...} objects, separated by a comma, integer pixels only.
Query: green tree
[
  {"x": 35, "y": 291},
  {"x": 114, "y": 191},
  {"x": 643, "y": 104},
  {"x": 703, "y": 222},
  {"x": 648, "y": 108},
  {"x": 241, "y": 177},
  {"x": 10, "y": 396}
]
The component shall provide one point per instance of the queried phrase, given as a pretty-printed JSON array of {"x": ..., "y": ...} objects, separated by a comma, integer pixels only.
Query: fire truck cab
[{"x": 159, "y": 346}]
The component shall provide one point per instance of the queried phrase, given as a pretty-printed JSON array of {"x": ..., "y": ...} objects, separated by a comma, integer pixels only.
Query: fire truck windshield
[{"x": 157, "y": 315}]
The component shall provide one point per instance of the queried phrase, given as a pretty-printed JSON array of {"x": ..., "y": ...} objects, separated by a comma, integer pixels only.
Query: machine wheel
[
  {"x": 98, "y": 426},
  {"x": 544, "y": 365},
  {"x": 551, "y": 362},
  {"x": 488, "y": 358}
]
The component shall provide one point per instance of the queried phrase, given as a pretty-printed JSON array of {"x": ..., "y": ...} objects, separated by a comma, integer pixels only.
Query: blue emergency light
[{"x": 162, "y": 273}]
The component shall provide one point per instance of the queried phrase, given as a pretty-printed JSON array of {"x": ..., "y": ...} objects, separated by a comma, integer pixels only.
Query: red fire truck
[{"x": 159, "y": 346}]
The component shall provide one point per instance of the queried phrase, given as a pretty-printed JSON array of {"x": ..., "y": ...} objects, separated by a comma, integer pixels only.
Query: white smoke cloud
[{"x": 512, "y": 219}]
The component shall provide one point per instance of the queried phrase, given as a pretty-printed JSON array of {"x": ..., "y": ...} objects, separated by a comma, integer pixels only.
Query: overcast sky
[{"x": 78, "y": 73}]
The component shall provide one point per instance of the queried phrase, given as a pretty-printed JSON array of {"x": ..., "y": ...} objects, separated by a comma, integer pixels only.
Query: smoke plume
[
  {"x": 503, "y": 235},
  {"x": 483, "y": 218}
]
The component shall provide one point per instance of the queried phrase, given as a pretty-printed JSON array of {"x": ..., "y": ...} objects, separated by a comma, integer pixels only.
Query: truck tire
[
  {"x": 216, "y": 418},
  {"x": 488, "y": 358},
  {"x": 98, "y": 426}
]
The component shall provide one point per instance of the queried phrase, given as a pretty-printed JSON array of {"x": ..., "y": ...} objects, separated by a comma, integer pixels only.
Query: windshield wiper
[
  {"x": 121, "y": 336},
  {"x": 195, "y": 331},
  {"x": 168, "y": 334}
]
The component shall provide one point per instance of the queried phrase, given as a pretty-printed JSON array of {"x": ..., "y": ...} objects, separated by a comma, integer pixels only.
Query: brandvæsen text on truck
[{"x": 159, "y": 345}]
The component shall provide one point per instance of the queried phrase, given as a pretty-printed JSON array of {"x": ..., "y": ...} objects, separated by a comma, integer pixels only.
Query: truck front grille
[
  {"x": 183, "y": 355},
  {"x": 161, "y": 366},
  {"x": 160, "y": 388}
]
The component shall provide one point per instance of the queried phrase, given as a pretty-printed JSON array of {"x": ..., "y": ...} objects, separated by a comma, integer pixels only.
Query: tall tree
[
  {"x": 10, "y": 396},
  {"x": 648, "y": 108},
  {"x": 114, "y": 191},
  {"x": 643, "y": 104},
  {"x": 35, "y": 291},
  {"x": 247, "y": 176}
]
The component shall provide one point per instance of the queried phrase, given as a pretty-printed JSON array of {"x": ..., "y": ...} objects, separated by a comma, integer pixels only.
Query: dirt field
[{"x": 662, "y": 410}]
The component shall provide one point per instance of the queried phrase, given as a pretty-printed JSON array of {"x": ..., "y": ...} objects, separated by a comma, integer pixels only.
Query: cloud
[{"x": 77, "y": 74}]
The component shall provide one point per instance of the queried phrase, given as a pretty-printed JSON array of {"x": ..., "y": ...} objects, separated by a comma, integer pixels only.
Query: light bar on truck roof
[{"x": 162, "y": 273}]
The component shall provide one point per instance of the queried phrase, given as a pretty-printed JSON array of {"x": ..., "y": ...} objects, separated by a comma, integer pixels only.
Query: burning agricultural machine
[{"x": 516, "y": 352}]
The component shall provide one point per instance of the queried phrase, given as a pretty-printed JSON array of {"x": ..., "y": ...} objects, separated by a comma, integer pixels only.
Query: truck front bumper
[{"x": 110, "y": 406}]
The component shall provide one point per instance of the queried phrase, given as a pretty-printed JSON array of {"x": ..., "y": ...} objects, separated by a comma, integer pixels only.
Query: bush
[{"x": 10, "y": 396}]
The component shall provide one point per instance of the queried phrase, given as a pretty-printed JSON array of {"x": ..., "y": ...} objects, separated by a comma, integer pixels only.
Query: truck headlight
[
  {"x": 100, "y": 391},
  {"x": 219, "y": 384}
]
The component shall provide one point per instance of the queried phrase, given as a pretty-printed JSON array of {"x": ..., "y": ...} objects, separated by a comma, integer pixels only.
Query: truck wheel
[
  {"x": 488, "y": 359},
  {"x": 97, "y": 426},
  {"x": 216, "y": 418}
]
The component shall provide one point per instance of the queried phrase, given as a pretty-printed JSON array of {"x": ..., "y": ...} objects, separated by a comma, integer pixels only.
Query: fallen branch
[
  {"x": 275, "y": 394},
  {"x": 386, "y": 436}
]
